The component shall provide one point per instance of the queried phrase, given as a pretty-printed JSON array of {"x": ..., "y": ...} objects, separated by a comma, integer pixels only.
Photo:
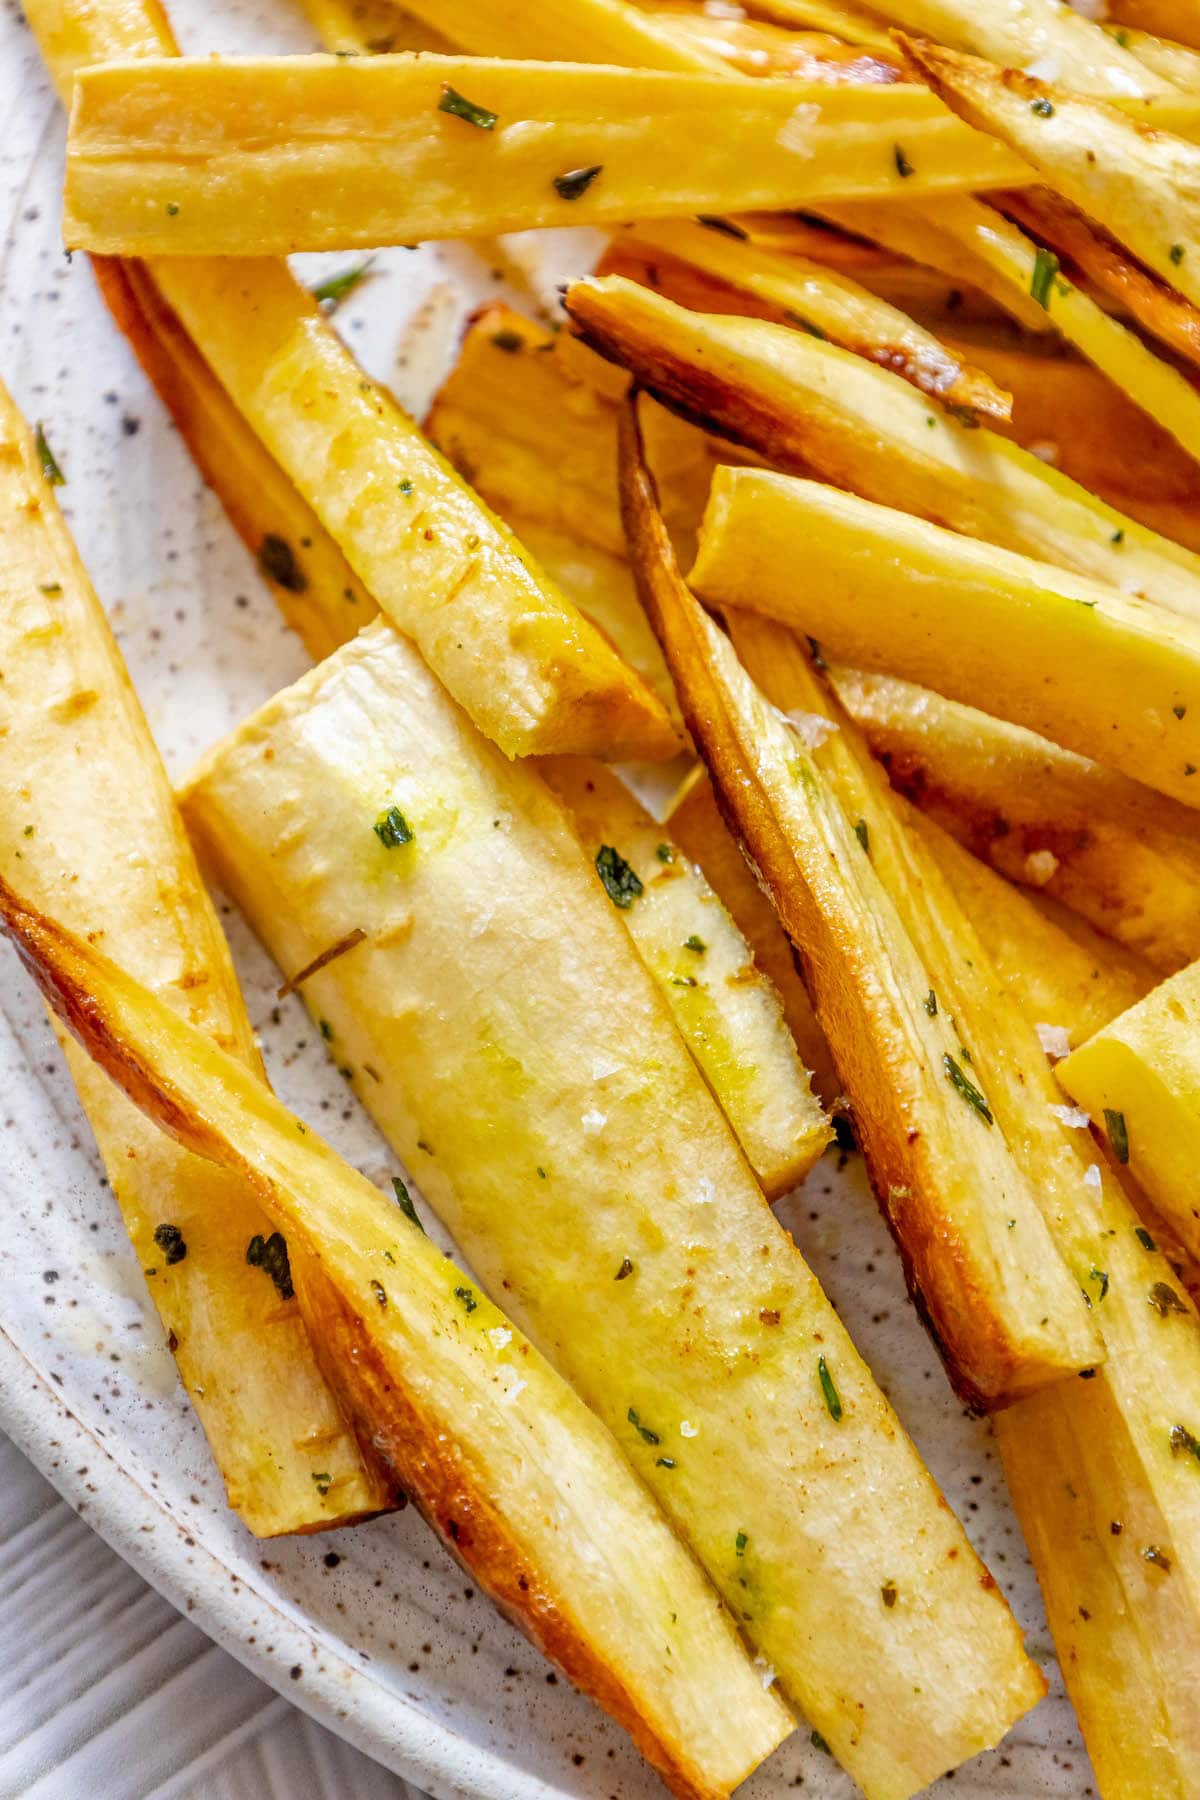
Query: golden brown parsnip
[
  {"x": 528, "y": 1489},
  {"x": 1065, "y": 45},
  {"x": 89, "y": 827},
  {"x": 499, "y": 1027}
]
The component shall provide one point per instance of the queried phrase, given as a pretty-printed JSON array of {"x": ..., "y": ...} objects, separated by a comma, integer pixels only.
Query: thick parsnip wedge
[
  {"x": 793, "y": 291},
  {"x": 529, "y": 1490},
  {"x": 89, "y": 827},
  {"x": 813, "y": 408},
  {"x": 1153, "y": 1375},
  {"x": 1001, "y": 1304},
  {"x": 498, "y": 1025},
  {"x": 317, "y": 591},
  {"x": 178, "y": 158},
  {"x": 1125, "y": 1626},
  {"x": 1132, "y": 175},
  {"x": 694, "y": 821},
  {"x": 1141, "y": 1074},
  {"x": 1122, "y": 857},
  {"x": 1070, "y": 658},
  {"x": 1040, "y": 35},
  {"x": 728, "y": 1013}
]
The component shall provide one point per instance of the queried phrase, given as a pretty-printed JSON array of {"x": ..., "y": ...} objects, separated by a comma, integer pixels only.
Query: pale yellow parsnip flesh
[
  {"x": 565, "y": 1132},
  {"x": 1018, "y": 34}
]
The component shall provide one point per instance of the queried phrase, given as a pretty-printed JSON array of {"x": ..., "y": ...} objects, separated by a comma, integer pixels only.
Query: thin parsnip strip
[
  {"x": 726, "y": 1011},
  {"x": 1125, "y": 169},
  {"x": 757, "y": 47},
  {"x": 1141, "y": 1074},
  {"x": 1070, "y": 658},
  {"x": 1122, "y": 857},
  {"x": 1179, "y": 19},
  {"x": 530, "y": 1073},
  {"x": 529, "y": 1490},
  {"x": 1041, "y": 36},
  {"x": 1176, "y": 63},
  {"x": 811, "y": 407},
  {"x": 177, "y": 158},
  {"x": 978, "y": 1255},
  {"x": 372, "y": 27},
  {"x": 1153, "y": 1374},
  {"x": 89, "y": 827},
  {"x": 802, "y": 293},
  {"x": 596, "y": 31},
  {"x": 854, "y": 24}
]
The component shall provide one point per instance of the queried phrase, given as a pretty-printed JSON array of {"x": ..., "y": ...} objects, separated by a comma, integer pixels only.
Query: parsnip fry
[
  {"x": 176, "y": 158},
  {"x": 88, "y": 824},
  {"x": 1175, "y": 63},
  {"x": 1131, "y": 174},
  {"x": 1141, "y": 1074},
  {"x": 529, "y": 1490},
  {"x": 593, "y": 31},
  {"x": 856, "y": 24},
  {"x": 499, "y": 1027},
  {"x": 372, "y": 27},
  {"x": 1001, "y": 1304},
  {"x": 1067, "y": 657},
  {"x": 801, "y": 293},
  {"x": 727, "y": 1012},
  {"x": 757, "y": 47},
  {"x": 813, "y": 408},
  {"x": 1121, "y": 856},
  {"x": 1039, "y": 35},
  {"x": 1153, "y": 1375},
  {"x": 1178, "y": 19}
]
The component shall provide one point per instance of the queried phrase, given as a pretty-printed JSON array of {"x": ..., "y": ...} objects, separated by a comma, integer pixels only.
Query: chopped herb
[
  {"x": 326, "y": 1029},
  {"x": 814, "y": 650},
  {"x": 1143, "y": 1237},
  {"x": 903, "y": 167},
  {"x": 169, "y": 1239},
  {"x": 1122, "y": 38},
  {"x": 1045, "y": 268},
  {"x": 818, "y": 1743},
  {"x": 380, "y": 1292},
  {"x": 643, "y": 1431},
  {"x": 49, "y": 587},
  {"x": 405, "y": 486},
  {"x": 966, "y": 1087},
  {"x": 46, "y": 457},
  {"x": 665, "y": 853},
  {"x": 1118, "y": 536},
  {"x": 803, "y": 324},
  {"x": 1118, "y": 1136},
  {"x": 696, "y": 944},
  {"x": 1164, "y": 1300},
  {"x": 392, "y": 829},
  {"x": 625, "y": 1270},
  {"x": 684, "y": 981},
  {"x": 1043, "y": 108},
  {"x": 725, "y": 226},
  {"x": 405, "y": 1203},
  {"x": 931, "y": 1004},
  {"x": 507, "y": 340},
  {"x": 664, "y": 1462},
  {"x": 1176, "y": 254},
  {"x": 1184, "y": 1442},
  {"x": 1152, "y": 1554},
  {"x": 1179, "y": 711},
  {"x": 863, "y": 834},
  {"x": 887, "y": 1594},
  {"x": 620, "y": 883},
  {"x": 462, "y": 108},
  {"x": 277, "y": 560},
  {"x": 577, "y": 182},
  {"x": 832, "y": 1397},
  {"x": 739, "y": 1544},
  {"x": 1100, "y": 1275},
  {"x": 324, "y": 1481},
  {"x": 467, "y": 1296},
  {"x": 843, "y": 1134},
  {"x": 335, "y": 288},
  {"x": 271, "y": 1256}
]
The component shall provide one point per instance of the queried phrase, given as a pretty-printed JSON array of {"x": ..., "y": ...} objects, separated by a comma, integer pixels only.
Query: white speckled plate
[{"x": 374, "y": 1630}]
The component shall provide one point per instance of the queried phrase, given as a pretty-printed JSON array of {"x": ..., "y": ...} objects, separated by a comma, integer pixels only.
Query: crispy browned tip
[
  {"x": 1091, "y": 252},
  {"x": 948, "y": 73}
]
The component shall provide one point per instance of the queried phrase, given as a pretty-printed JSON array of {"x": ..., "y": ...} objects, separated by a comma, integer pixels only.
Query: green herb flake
[
  {"x": 335, "y": 288},
  {"x": 405, "y": 1203},
  {"x": 170, "y": 1241},
  {"x": 664, "y": 1462},
  {"x": 576, "y": 182},
  {"x": 625, "y": 1270},
  {"x": 888, "y": 1594},
  {"x": 665, "y": 853},
  {"x": 46, "y": 457},
  {"x": 1160, "y": 1559},
  {"x": 1118, "y": 1136},
  {"x": 931, "y": 1004},
  {"x": 818, "y": 1743},
  {"x": 1045, "y": 268},
  {"x": 49, "y": 587},
  {"x": 695, "y": 944},
  {"x": 462, "y": 108},
  {"x": 684, "y": 981},
  {"x": 326, "y": 1030},
  {"x": 467, "y": 1296},
  {"x": 726, "y": 227},
  {"x": 1184, "y": 1442},
  {"x": 1118, "y": 536},
  {"x": 380, "y": 1292},
  {"x": 644, "y": 1432},
  {"x": 507, "y": 340},
  {"x": 392, "y": 829},
  {"x": 271, "y": 1256},
  {"x": 277, "y": 560},
  {"x": 863, "y": 834},
  {"x": 903, "y": 167},
  {"x": 1179, "y": 711},
  {"x": 1163, "y": 1298},
  {"x": 963, "y": 1085},
  {"x": 739, "y": 1544},
  {"x": 1043, "y": 108},
  {"x": 1143, "y": 1237},
  {"x": 833, "y": 1401},
  {"x": 1100, "y": 1276},
  {"x": 620, "y": 883},
  {"x": 324, "y": 1481},
  {"x": 1177, "y": 254}
]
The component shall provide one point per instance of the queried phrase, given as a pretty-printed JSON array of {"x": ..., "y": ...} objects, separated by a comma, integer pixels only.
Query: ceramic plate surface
[{"x": 375, "y": 1631}]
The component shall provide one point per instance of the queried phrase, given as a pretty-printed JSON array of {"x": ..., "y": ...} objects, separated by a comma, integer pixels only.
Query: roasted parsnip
[
  {"x": 498, "y": 1025},
  {"x": 854, "y": 24},
  {"x": 1124, "y": 858},
  {"x": 727, "y": 1012},
  {"x": 1140, "y": 1073},
  {"x": 1174, "y": 62},
  {"x": 595, "y": 31},
  {"x": 1179, "y": 19},
  {"x": 1065, "y": 656},
  {"x": 74, "y": 746},
  {"x": 1038, "y": 35},
  {"x": 759, "y": 47},
  {"x": 1002, "y": 1306},
  {"x": 529, "y": 1490},
  {"x": 179, "y": 159},
  {"x": 814, "y": 408}
]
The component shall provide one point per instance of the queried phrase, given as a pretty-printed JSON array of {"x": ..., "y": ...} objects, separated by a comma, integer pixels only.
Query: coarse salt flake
[
  {"x": 811, "y": 728},
  {"x": 594, "y": 1120},
  {"x": 1044, "y": 68},
  {"x": 687, "y": 1429},
  {"x": 796, "y": 132},
  {"x": 1074, "y": 1116},
  {"x": 1040, "y": 867},
  {"x": 512, "y": 1392},
  {"x": 1054, "y": 1039},
  {"x": 766, "y": 1673},
  {"x": 1091, "y": 1176},
  {"x": 499, "y": 1335}
]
